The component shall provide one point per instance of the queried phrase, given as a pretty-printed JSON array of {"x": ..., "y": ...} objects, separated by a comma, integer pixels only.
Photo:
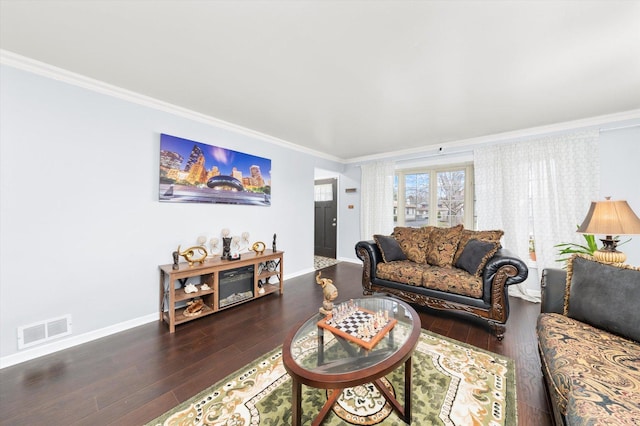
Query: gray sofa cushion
[
  {"x": 605, "y": 296},
  {"x": 390, "y": 248},
  {"x": 475, "y": 256}
]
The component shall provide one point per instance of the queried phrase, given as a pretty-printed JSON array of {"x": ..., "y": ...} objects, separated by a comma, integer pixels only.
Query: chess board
[{"x": 349, "y": 326}]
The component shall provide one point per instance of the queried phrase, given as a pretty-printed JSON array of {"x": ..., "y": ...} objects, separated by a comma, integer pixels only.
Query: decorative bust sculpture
[
  {"x": 175, "y": 255},
  {"x": 226, "y": 248}
]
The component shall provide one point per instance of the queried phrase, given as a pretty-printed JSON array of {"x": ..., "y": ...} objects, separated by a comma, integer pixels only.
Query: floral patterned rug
[{"x": 453, "y": 384}]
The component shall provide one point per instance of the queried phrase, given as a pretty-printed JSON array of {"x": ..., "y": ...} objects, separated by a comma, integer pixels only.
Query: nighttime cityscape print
[{"x": 194, "y": 172}]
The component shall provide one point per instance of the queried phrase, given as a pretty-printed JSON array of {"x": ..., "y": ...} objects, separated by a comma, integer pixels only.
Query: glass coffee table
[{"x": 343, "y": 355}]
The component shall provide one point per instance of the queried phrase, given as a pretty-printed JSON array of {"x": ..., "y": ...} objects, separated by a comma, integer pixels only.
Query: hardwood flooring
[{"x": 134, "y": 376}]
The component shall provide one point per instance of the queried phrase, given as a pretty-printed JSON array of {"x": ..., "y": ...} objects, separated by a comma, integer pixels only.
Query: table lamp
[{"x": 610, "y": 218}]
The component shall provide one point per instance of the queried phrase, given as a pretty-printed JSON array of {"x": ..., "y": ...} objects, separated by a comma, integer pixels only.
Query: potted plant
[
  {"x": 532, "y": 248},
  {"x": 566, "y": 250}
]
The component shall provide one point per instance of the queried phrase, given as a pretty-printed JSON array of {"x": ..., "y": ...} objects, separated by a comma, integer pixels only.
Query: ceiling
[{"x": 350, "y": 78}]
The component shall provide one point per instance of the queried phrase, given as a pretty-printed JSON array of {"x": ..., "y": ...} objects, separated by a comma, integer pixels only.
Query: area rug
[
  {"x": 320, "y": 262},
  {"x": 453, "y": 384}
]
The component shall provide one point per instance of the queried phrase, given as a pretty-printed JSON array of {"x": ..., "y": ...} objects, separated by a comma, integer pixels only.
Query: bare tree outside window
[
  {"x": 432, "y": 197},
  {"x": 451, "y": 198}
]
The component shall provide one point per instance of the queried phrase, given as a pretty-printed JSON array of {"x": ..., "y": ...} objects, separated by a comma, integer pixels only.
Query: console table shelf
[{"x": 173, "y": 300}]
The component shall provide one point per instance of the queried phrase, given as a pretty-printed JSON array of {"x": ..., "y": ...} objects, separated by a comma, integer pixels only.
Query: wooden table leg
[
  {"x": 326, "y": 408},
  {"x": 163, "y": 293},
  {"x": 407, "y": 391},
  {"x": 395, "y": 405},
  {"x": 403, "y": 412},
  {"x": 296, "y": 403},
  {"x": 320, "y": 345},
  {"x": 172, "y": 306}
]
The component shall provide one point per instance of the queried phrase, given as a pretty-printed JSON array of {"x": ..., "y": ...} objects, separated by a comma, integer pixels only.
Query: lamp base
[
  {"x": 608, "y": 256},
  {"x": 608, "y": 252}
]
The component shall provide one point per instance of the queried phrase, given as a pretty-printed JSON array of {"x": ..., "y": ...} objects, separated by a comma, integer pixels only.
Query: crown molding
[
  {"x": 602, "y": 123},
  {"x": 46, "y": 70}
]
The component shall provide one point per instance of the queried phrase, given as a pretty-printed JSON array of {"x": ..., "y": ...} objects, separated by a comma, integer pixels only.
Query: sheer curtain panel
[
  {"x": 377, "y": 199},
  {"x": 540, "y": 188}
]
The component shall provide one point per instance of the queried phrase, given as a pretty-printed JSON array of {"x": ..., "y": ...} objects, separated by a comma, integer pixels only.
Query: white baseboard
[
  {"x": 43, "y": 350},
  {"x": 46, "y": 349},
  {"x": 298, "y": 273},
  {"x": 350, "y": 260},
  {"x": 39, "y": 351}
]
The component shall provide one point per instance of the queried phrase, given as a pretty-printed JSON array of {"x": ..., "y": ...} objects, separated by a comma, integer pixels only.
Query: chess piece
[{"x": 330, "y": 293}]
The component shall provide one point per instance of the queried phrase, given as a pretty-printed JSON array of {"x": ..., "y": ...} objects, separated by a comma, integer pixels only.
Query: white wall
[
  {"x": 82, "y": 230},
  {"x": 349, "y": 225},
  {"x": 620, "y": 177}
]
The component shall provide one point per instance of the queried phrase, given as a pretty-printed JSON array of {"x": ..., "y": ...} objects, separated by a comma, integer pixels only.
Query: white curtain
[
  {"x": 376, "y": 186},
  {"x": 539, "y": 187}
]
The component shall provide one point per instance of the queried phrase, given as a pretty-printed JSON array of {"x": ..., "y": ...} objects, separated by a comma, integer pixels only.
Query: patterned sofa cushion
[
  {"x": 443, "y": 243},
  {"x": 589, "y": 408},
  {"x": 597, "y": 371},
  {"x": 413, "y": 241},
  {"x": 452, "y": 280},
  {"x": 401, "y": 271}
]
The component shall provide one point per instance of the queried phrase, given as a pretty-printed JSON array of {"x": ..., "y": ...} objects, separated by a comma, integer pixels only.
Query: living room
[{"x": 83, "y": 231}]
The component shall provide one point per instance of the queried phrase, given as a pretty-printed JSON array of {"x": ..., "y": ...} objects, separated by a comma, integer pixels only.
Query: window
[
  {"x": 436, "y": 196},
  {"x": 324, "y": 192}
]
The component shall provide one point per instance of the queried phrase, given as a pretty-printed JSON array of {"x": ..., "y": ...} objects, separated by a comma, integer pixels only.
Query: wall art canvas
[{"x": 194, "y": 172}]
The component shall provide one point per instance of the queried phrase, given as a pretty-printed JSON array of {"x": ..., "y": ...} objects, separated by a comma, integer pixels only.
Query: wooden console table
[{"x": 172, "y": 299}]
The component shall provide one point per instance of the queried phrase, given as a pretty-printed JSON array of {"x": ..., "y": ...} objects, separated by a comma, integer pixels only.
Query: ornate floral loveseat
[
  {"x": 452, "y": 269},
  {"x": 588, "y": 339}
]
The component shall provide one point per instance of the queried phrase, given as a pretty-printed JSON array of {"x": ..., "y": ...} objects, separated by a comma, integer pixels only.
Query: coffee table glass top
[{"x": 323, "y": 351}]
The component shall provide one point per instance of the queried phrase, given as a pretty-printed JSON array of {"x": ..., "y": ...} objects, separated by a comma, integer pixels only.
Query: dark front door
[{"x": 326, "y": 217}]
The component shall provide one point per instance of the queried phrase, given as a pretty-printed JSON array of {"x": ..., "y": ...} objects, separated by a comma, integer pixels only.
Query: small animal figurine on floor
[{"x": 329, "y": 291}]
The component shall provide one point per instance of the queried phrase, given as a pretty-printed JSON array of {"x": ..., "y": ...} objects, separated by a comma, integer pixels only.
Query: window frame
[{"x": 469, "y": 220}]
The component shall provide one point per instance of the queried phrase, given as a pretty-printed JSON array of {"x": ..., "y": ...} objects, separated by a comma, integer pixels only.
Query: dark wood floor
[{"x": 134, "y": 376}]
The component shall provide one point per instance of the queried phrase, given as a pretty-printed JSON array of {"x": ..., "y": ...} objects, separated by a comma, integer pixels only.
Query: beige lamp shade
[{"x": 610, "y": 218}]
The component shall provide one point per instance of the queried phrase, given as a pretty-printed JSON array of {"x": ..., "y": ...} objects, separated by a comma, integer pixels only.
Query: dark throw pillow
[
  {"x": 390, "y": 248},
  {"x": 604, "y": 295},
  {"x": 475, "y": 256}
]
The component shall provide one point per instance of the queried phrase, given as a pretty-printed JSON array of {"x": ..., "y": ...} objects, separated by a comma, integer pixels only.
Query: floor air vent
[{"x": 40, "y": 332}]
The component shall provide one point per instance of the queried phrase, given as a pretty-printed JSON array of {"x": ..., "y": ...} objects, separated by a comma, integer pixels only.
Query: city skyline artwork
[{"x": 196, "y": 172}]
